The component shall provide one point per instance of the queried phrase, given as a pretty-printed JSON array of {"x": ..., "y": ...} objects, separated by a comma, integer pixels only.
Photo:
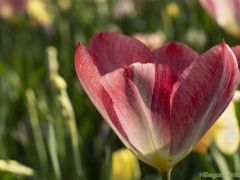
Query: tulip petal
[
  {"x": 177, "y": 55},
  {"x": 236, "y": 51},
  {"x": 201, "y": 95},
  {"x": 140, "y": 94},
  {"x": 117, "y": 126},
  {"x": 229, "y": 20},
  {"x": 89, "y": 77},
  {"x": 113, "y": 50},
  {"x": 216, "y": 7},
  {"x": 209, "y": 7}
]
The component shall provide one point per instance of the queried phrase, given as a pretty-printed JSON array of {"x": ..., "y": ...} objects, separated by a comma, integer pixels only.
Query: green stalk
[
  {"x": 64, "y": 108},
  {"x": 166, "y": 175},
  {"x": 75, "y": 143},
  {"x": 53, "y": 148},
  {"x": 37, "y": 134}
]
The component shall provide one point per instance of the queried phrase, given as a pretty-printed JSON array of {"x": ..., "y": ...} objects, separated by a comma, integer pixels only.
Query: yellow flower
[
  {"x": 172, "y": 9},
  {"x": 203, "y": 144},
  {"x": 124, "y": 165},
  {"x": 38, "y": 10},
  {"x": 225, "y": 133}
]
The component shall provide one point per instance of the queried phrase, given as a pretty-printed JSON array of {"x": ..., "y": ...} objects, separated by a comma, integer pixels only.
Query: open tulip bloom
[
  {"x": 159, "y": 103},
  {"x": 225, "y": 12}
]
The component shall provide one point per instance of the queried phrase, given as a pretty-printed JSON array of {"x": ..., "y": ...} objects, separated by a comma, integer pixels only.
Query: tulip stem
[{"x": 166, "y": 175}]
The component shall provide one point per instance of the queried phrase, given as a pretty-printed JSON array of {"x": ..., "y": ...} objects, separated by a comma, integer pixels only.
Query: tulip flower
[
  {"x": 124, "y": 165},
  {"x": 41, "y": 14},
  {"x": 226, "y": 135},
  {"x": 225, "y": 13},
  {"x": 160, "y": 103}
]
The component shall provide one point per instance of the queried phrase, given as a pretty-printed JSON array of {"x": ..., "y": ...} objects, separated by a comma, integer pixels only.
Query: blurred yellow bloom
[
  {"x": 64, "y": 4},
  {"x": 37, "y": 9},
  {"x": 58, "y": 82},
  {"x": 125, "y": 165},
  {"x": 172, "y": 9},
  {"x": 203, "y": 144},
  {"x": 225, "y": 133}
]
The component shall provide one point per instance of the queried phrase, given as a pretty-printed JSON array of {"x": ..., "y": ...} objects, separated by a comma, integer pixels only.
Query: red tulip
[
  {"x": 159, "y": 103},
  {"x": 225, "y": 12}
]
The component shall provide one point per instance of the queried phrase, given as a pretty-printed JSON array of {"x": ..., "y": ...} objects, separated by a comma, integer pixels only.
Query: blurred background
[{"x": 49, "y": 129}]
